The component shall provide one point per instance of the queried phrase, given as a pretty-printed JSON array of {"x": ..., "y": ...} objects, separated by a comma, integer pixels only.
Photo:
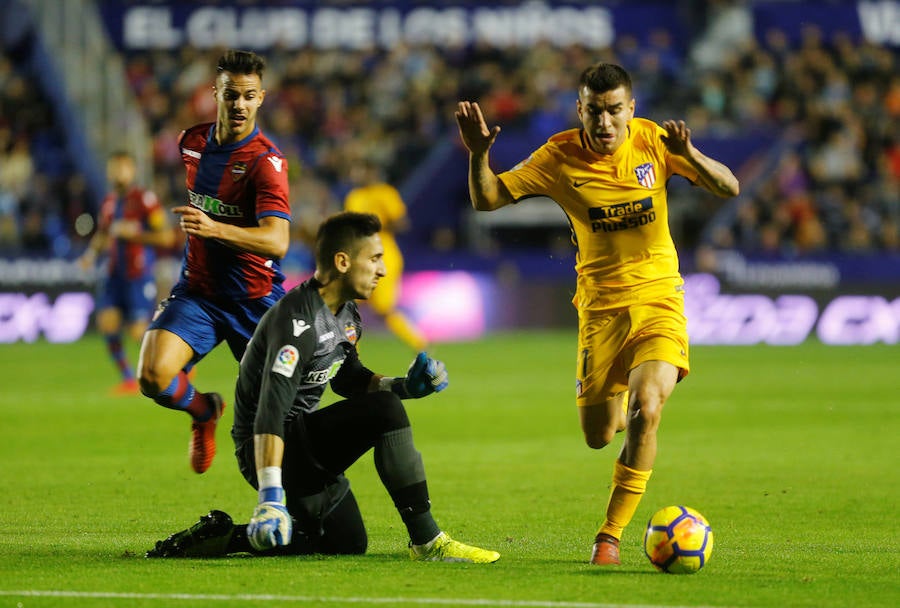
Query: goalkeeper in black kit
[{"x": 295, "y": 453}]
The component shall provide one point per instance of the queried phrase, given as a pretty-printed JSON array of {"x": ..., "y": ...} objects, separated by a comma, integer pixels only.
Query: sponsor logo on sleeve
[{"x": 286, "y": 361}]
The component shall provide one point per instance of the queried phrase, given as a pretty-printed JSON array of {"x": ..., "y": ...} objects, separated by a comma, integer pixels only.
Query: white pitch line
[{"x": 216, "y": 597}]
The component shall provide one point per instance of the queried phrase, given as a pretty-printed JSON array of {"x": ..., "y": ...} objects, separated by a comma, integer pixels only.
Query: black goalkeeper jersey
[{"x": 298, "y": 346}]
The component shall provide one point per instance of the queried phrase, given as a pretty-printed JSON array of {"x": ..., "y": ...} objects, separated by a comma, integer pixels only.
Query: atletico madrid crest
[{"x": 646, "y": 175}]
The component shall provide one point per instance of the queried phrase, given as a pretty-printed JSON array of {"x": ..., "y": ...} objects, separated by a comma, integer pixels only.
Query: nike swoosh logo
[{"x": 577, "y": 184}]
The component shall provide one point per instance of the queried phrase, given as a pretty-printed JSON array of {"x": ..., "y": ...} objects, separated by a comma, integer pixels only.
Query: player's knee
[
  {"x": 389, "y": 410},
  {"x": 355, "y": 545},
  {"x": 152, "y": 379},
  {"x": 600, "y": 438},
  {"x": 646, "y": 413},
  {"x": 136, "y": 331}
]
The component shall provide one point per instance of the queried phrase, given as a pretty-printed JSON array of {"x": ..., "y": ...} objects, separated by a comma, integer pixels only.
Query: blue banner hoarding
[{"x": 363, "y": 25}]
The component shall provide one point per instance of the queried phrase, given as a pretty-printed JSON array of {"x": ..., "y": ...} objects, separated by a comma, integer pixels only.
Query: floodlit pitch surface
[{"x": 790, "y": 452}]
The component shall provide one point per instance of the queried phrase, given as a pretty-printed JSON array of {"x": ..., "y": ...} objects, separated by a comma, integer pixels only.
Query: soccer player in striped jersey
[
  {"x": 131, "y": 225},
  {"x": 237, "y": 220},
  {"x": 609, "y": 177}
]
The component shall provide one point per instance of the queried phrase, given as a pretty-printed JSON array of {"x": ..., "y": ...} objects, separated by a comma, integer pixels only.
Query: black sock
[{"x": 415, "y": 510}]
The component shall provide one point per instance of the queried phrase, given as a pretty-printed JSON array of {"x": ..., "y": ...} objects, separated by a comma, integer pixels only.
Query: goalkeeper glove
[
  {"x": 271, "y": 524},
  {"x": 425, "y": 376}
]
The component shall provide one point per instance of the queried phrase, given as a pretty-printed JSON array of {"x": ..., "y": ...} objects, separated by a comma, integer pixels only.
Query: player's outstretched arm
[
  {"x": 711, "y": 174},
  {"x": 485, "y": 188}
]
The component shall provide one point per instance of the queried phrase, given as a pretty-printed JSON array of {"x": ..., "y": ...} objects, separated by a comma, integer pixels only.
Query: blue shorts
[
  {"x": 136, "y": 298},
  {"x": 203, "y": 324}
]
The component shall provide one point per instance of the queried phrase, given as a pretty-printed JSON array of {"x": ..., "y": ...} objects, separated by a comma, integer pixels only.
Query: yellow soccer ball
[{"x": 678, "y": 540}]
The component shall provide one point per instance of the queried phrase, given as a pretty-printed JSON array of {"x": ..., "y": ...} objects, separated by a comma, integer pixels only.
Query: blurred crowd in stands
[
  {"x": 832, "y": 180},
  {"x": 41, "y": 198},
  {"x": 828, "y": 181}
]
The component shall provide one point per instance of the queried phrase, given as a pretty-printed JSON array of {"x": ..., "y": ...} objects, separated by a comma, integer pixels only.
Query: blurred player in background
[
  {"x": 295, "y": 452},
  {"x": 131, "y": 226},
  {"x": 610, "y": 179},
  {"x": 237, "y": 224},
  {"x": 372, "y": 194}
]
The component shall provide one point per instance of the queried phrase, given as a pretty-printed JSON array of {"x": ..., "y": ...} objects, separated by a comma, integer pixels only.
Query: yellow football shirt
[
  {"x": 383, "y": 200},
  {"x": 617, "y": 208}
]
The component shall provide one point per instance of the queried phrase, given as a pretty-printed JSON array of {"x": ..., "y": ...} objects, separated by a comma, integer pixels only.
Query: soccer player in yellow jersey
[
  {"x": 610, "y": 178},
  {"x": 372, "y": 194}
]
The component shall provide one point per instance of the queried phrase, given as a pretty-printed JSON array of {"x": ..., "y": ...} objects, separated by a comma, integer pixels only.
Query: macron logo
[
  {"x": 276, "y": 162},
  {"x": 300, "y": 326}
]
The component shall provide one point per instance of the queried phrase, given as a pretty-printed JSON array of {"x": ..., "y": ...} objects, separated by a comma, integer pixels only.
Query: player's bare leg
[
  {"x": 601, "y": 422},
  {"x": 650, "y": 385},
  {"x": 163, "y": 356},
  {"x": 162, "y": 378},
  {"x": 136, "y": 330}
]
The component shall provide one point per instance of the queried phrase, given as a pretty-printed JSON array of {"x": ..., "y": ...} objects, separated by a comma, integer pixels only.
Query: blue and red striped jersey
[
  {"x": 238, "y": 183},
  {"x": 129, "y": 260}
]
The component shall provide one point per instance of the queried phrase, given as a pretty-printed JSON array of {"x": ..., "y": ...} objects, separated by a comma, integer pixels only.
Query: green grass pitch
[{"x": 790, "y": 452}]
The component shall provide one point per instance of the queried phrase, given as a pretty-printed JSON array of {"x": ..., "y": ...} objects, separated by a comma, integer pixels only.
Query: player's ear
[
  {"x": 341, "y": 262},
  {"x": 262, "y": 97}
]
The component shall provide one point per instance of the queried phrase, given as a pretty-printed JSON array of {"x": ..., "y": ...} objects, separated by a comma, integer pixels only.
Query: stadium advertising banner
[
  {"x": 462, "y": 305},
  {"x": 839, "y": 298},
  {"x": 292, "y": 24},
  {"x": 53, "y": 300},
  {"x": 877, "y": 21},
  {"x": 787, "y": 318},
  {"x": 361, "y": 25},
  {"x": 41, "y": 298}
]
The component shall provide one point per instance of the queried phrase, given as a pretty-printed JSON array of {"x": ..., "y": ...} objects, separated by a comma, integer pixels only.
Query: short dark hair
[
  {"x": 603, "y": 77},
  {"x": 241, "y": 62},
  {"x": 341, "y": 232}
]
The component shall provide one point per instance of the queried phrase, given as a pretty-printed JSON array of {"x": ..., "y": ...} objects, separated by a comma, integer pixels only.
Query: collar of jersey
[{"x": 212, "y": 143}]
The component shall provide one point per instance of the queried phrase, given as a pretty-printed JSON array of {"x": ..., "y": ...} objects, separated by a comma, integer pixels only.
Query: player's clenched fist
[
  {"x": 425, "y": 376},
  {"x": 270, "y": 526}
]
